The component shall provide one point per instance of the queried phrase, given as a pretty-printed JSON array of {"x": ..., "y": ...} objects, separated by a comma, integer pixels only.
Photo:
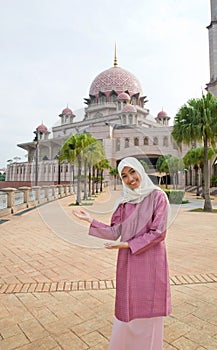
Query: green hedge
[{"x": 175, "y": 196}]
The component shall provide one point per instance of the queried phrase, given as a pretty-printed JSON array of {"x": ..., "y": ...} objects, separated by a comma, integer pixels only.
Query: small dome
[
  {"x": 123, "y": 96},
  {"x": 162, "y": 114},
  {"x": 129, "y": 109},
  {"x": 42, "y": 128},
  {"x": 67, "y": 111}
]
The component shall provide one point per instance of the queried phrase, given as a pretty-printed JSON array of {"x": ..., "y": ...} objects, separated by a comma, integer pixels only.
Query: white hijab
[{"x": 146, "y": 186}]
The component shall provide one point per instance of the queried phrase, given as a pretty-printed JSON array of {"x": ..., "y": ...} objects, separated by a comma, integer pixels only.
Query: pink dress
[{"x": 142, "y": 277}]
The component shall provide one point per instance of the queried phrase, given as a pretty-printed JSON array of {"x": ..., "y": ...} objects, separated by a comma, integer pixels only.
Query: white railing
[{"x": 13, "y": 200}]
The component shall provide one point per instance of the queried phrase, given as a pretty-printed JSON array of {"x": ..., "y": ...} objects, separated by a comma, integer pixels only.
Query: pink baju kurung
[{"x": 142, "y": 278}]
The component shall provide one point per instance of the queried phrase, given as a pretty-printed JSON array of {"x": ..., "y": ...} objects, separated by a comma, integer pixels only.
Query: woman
[{"x": 142, "y": 278}]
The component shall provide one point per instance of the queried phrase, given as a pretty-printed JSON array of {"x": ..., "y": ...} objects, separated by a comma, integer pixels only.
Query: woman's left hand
[{"x": 119, "y": 245}]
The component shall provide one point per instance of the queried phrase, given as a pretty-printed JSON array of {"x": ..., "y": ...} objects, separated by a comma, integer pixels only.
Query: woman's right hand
[{"x": 82, "y": 215}]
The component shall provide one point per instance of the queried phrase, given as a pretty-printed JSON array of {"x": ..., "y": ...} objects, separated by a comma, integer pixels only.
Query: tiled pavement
[{"x": 57, "y": 285}]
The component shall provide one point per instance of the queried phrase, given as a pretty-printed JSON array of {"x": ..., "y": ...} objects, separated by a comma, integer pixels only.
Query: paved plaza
[{"x": 57, "y": 284}]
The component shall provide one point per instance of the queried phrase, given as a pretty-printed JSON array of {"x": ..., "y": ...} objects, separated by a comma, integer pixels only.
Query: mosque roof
[
  {"x": 162, "y": 114},
  {"x": 42, "y": 128},
  {"x": 66, "y": 111},
  {"x": 117, "y": 79}
]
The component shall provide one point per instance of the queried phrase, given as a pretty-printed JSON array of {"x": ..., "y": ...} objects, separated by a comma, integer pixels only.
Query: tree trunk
[
  {"x": 93, "y": 181},
  {"x": 101, "y": 180},
  {"x": 78, "y": 199},
  {"x": 207, "y": 201},
  {"x": 202, "y": 181},
  {"x": 115, "y": 182},
  {"x": 89, "y": 181},
  {"x": 97, "y": 180},
  {"x": 196, "y": 168},
  {"x": 85, "y": 180}
]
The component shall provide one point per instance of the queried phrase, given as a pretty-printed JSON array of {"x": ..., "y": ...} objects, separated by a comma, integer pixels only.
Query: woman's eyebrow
[{"x": 124, "y": 173}]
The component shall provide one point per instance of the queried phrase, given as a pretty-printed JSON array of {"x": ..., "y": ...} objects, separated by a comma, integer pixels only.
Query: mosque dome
[
  {"x": 42, "y": 128},
  {"x": 162, "y": 115},
  {"x": 129, "y": 109},
  {"x": 117, "y": 79},
  {"x": 123, "y": 96},
  {"x": 66, "y": 111}
]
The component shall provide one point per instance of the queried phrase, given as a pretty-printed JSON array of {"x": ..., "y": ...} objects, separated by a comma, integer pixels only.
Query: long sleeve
[
  {"x": 155, "y": 233},
  {"x": 110, "y": 232}
]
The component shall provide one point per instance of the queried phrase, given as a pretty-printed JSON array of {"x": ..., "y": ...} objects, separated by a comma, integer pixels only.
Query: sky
[{"x": 51, "y": 51}]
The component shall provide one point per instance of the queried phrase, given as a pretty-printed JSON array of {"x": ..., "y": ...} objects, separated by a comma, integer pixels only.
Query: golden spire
[{"x": 115, "y": 58}]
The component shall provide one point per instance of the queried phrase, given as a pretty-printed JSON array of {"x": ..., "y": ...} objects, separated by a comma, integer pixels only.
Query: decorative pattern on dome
[
  {"x": 123, "y": 96},
  {"x": 117, "y": 79},
  {"x": 129, "y": 108}
]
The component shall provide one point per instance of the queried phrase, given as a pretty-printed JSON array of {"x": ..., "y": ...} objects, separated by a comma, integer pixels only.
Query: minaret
[{"x": 212, "y": 85}]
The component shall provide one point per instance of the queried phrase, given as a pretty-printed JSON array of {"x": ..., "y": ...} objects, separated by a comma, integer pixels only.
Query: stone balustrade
[{"x": 13, "y": 200}]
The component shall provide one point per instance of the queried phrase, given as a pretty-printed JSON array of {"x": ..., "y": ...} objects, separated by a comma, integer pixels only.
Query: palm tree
[
  {"x": 191, "y": 158},
  {"x": 196, "y": 121},
  {"x": 195, "y": 157},
  {"x": 94, "y": 153},
  {"x": 73, "y": 150},
  {"x": 103, "y": 164},
  {"x": 162, "y": 166},
  {"x": 172, "y": 165},
  {"x": 114, "y": 172}
]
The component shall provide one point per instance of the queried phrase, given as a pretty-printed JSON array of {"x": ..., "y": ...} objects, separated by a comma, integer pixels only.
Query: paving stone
[
  {"x": 33, "y": 329},
  {"x": 69, "y": 341},
  {"x": 55, "y": 295},
  {"x": 14, "y": 342},
  {"x": 184, "y": 343}
]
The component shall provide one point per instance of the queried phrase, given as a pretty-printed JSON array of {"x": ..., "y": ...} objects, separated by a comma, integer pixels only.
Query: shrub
[
  {"x": 213, "y": 181},
  {"x": 175, "y": 196}
]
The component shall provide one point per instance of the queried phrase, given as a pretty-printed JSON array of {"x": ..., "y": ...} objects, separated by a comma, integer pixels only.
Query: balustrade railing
[{"x": 13, "y": 200}]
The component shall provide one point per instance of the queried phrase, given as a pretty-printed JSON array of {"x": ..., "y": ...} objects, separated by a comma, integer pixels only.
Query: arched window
[
  {"x": 145, "y": 141},
  {"x": 130, "y": 119},
  {"x": 118, "y": 145},
  {"x": 134, "y": 100},
  {"x": 113, "y": 96},
  {"x": 165, "y": 141},
  {"x": 124, "y": 119},
  {"x": 102, "y": 98},
  {"x": 155, "y": 141},
  {"x": 127, "y": 142},
  {"x": 136, "y": 141}
]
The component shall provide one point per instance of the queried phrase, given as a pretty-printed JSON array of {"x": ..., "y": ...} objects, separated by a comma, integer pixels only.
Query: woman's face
[{"x": 130, "y": 177}]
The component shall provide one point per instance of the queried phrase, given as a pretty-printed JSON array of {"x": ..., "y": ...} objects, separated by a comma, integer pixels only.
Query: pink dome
[
  {"x": 42, "y": 128},
  {"x": 129, "y": 109},
  {"x": 67, "y": 111},
  {"x": 117, "y": 79},
  {"x": 123, "y": 96},
  {"x": 162, "y": 114}
]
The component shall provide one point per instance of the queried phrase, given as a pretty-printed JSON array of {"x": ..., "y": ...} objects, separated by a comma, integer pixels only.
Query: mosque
[{"x": 116, "y": 114}]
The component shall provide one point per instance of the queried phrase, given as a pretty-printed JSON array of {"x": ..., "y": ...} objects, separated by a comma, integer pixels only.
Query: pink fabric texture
[{"x": 142, "y": 277}]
